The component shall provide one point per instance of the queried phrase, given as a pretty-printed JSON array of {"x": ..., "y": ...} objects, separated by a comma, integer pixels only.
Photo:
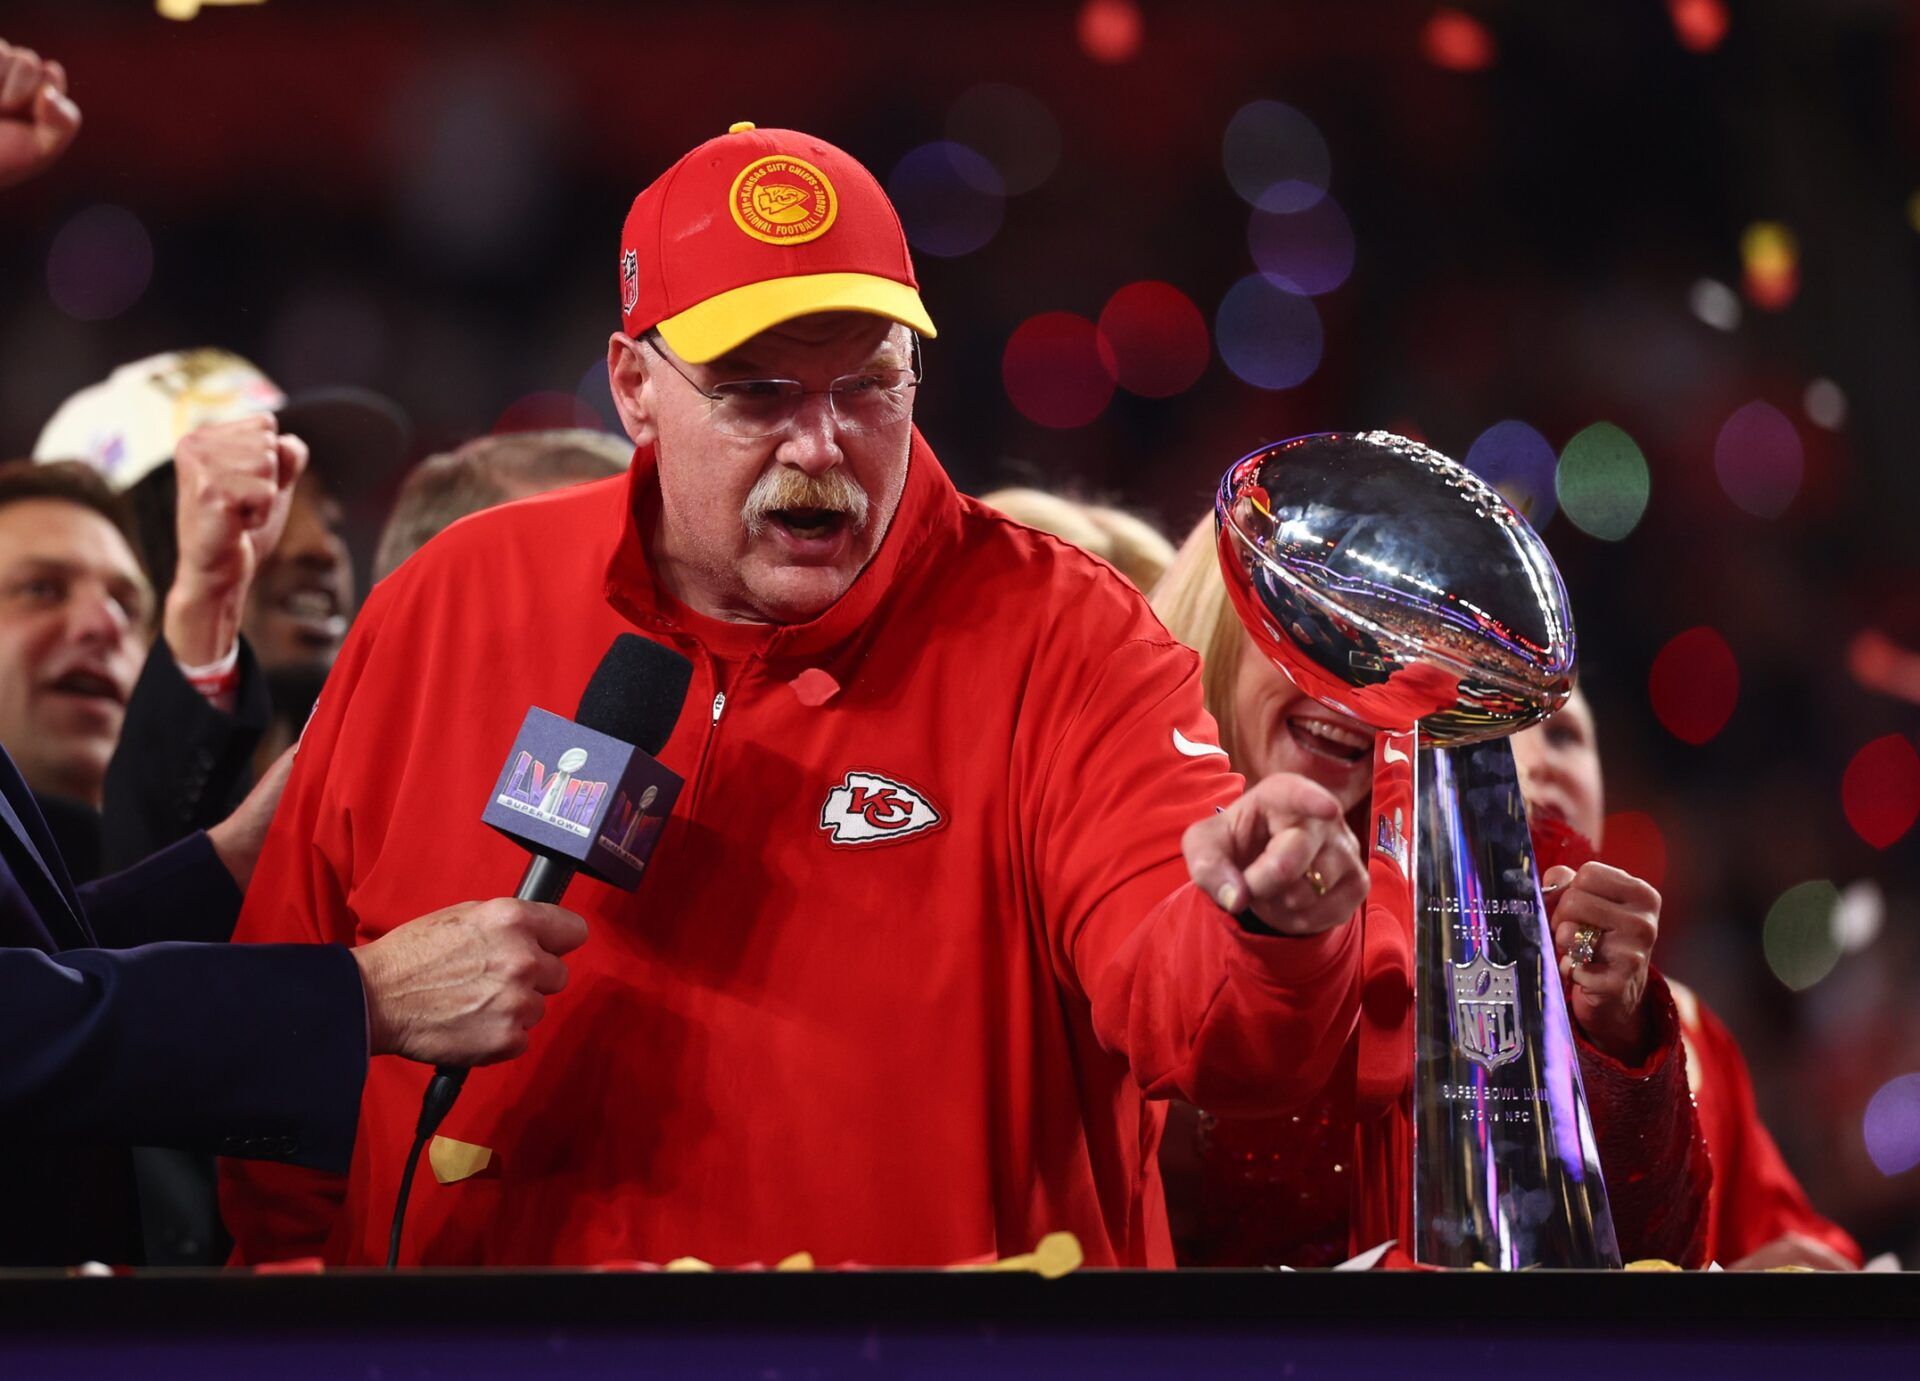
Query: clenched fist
[
  {"x": 235, "y": 483},
  {"x": 1606, "y": 969},
  {"x": 463, "y": 986},
  {"x": 37, "y": 120},
  {"x": 1282, "y": 851}
]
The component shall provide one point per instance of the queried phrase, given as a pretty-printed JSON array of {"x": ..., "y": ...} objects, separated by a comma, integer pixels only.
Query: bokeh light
[
  {"x": 950, "y": 198},
  {"x": 1308, "y": 251},
  {"x": 1275, "y": 157},
  {"x": 1891, "y": 1127},
  {"x": 1155, "y": 339},
  {"x": 547, "y": 411},
  {"x": 1861, "y": 915},
  {"x": 99, "y": 264},
  {"x": 1633, "y": 840},
  {"x": 1602, "y": 482},
  {"x": 1457, "y": 41},
  {"x": 1698, "y": 24},
  {"x": 1880, "y": 790},
  {"x": 1825, "y": 404},
  {"x": 1759, "y": 460},
  {"x": 1012, "y": 129},
  {"x": 1055, "y": 371},
  {"x": 1694, "y": 685},
  {"x": 1269, "y": 337},
  {"x": 474, "y": 138},
  {"x": 1799, "y": 937},
  {"x": 1519, "y": 462},
  {"x": 1770, "y": 256},
  {"x": 1715, "y": 303},
  {"x": 1109, "y": 30}
]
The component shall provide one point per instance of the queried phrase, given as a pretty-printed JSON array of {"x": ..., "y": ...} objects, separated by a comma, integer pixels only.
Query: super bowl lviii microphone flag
[
  {"x": 573, "y": 793},
  {"x": 1397, "y": 586}
]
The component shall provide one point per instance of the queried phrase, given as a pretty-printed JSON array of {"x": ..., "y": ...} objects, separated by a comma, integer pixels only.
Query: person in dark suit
[{"x": 122, "y": 1020}]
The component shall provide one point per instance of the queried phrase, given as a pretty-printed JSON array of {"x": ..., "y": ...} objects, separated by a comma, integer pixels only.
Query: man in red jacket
[{"x": 919, "y": 946}]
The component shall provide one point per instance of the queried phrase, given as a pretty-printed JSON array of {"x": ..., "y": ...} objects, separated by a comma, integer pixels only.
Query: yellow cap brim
[{"x": 709, "y": 329}]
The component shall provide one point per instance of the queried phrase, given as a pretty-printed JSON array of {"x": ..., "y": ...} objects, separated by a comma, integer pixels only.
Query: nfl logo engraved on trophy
[{"x": 1486, "y": 1012}]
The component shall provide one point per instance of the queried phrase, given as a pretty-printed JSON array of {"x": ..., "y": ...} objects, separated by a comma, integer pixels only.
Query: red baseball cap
[{"x": 755, "y": 228}]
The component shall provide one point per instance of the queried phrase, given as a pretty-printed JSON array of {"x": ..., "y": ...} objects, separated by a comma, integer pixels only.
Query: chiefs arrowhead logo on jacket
[{"x": 868, "y": 808}]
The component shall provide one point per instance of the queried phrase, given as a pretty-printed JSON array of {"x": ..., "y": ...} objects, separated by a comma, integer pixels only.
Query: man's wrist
[
  {"x": 368, "y": 960},
  {"x": 202, "y": 620}
]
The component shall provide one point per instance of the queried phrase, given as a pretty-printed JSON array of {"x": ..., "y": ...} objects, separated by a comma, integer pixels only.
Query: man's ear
[{"x": 627, "y": 376}]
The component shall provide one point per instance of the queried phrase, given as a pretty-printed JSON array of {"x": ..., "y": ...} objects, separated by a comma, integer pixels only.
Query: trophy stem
[{"x": 1506, "y": 1173}]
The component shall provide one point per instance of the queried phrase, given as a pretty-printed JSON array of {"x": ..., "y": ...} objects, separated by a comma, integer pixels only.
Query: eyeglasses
[{"x": 751, "y": 408}]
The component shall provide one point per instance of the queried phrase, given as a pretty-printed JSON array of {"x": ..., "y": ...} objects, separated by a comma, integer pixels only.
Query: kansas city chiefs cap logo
[
  {"x": 868, "y": 808},
  {"x": 783, "y": 200}
]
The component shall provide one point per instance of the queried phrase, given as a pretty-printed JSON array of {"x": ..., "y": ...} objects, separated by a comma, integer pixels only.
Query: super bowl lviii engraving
[{"x": 1398, "y": 587}]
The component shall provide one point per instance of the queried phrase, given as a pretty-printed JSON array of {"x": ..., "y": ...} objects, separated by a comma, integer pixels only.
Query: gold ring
[
  {"x": 1586, "y": 945},
  {"x": 1313, "y": 879}
]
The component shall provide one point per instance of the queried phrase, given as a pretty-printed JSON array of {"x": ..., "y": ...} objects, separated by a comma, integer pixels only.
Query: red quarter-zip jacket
[{"x": 913, "y": 955}]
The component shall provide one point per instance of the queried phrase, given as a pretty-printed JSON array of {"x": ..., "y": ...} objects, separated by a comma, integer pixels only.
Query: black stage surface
[{"x": 470, "y": 1325}]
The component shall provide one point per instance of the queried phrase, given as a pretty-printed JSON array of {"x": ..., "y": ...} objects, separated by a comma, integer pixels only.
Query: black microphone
[{"x": 571, "y": 824}]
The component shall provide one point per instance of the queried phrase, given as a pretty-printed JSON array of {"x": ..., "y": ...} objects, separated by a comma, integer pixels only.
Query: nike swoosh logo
[
  {"x": 1188, "y": 748},
  {"x": 1392, "y": 754}
]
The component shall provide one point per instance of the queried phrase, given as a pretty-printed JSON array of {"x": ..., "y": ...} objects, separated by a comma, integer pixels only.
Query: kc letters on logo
[{"x": 867, "y": 808}]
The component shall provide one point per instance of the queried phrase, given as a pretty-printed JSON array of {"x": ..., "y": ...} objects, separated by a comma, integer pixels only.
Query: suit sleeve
[
  {"x": 254, "y": 1052},
  {"x": 181, "y": 765},
  {"x": 1199, "y": 1008},
  {"x": 1652, "y": 1149},
  {"x": 298, "y": 895},
  {"x": 181, "y": 893}
]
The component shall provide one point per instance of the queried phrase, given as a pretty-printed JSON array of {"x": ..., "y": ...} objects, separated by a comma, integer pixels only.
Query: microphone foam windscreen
[{"x": 636, "y": 693}]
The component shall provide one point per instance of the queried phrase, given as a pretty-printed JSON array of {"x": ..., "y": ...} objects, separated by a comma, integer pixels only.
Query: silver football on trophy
[{"x": 1395, "y": 585}]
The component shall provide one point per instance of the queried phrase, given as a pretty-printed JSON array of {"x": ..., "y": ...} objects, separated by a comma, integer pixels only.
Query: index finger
[{"x": 1211, "y": 847}]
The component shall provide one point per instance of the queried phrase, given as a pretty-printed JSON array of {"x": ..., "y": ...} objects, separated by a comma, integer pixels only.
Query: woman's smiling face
[{"x": 1281, "y": 729}]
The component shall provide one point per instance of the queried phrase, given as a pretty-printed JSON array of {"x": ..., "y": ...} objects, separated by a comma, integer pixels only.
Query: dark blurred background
[{"x": 1648, "y": 264}]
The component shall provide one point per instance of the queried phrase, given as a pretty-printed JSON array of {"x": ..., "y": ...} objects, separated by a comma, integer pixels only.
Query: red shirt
[
  {"x": 806, "y": 1030},
  {"x": 1755, "y": 1196}
]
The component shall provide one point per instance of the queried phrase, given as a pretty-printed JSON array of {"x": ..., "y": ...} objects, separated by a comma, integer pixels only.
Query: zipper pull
[{"x": 719, "y": 704}]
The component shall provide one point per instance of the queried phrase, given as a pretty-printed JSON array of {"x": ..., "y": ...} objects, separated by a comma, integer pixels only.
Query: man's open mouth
[
  {"x": 89, "y": 685},
  {"x": 810, "y": 522},
  {"x": 316, "y": 613}
]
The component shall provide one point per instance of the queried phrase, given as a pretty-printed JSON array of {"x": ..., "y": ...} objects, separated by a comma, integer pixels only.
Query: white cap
[{"x": 128, "y": 426}]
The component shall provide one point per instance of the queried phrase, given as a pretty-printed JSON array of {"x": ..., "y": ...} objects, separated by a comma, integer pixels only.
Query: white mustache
[{"x": 784, "y": 487}]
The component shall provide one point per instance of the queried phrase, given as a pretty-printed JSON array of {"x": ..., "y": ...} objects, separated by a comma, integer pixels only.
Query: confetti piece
[{"x": 453, "y": 1161}]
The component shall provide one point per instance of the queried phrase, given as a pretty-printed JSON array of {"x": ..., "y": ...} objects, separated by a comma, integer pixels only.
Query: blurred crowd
[{"x": 1548, "y": 222}]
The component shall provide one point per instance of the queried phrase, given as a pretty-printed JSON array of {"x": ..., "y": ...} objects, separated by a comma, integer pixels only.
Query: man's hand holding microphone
[{"x": 463, "y": 986}]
